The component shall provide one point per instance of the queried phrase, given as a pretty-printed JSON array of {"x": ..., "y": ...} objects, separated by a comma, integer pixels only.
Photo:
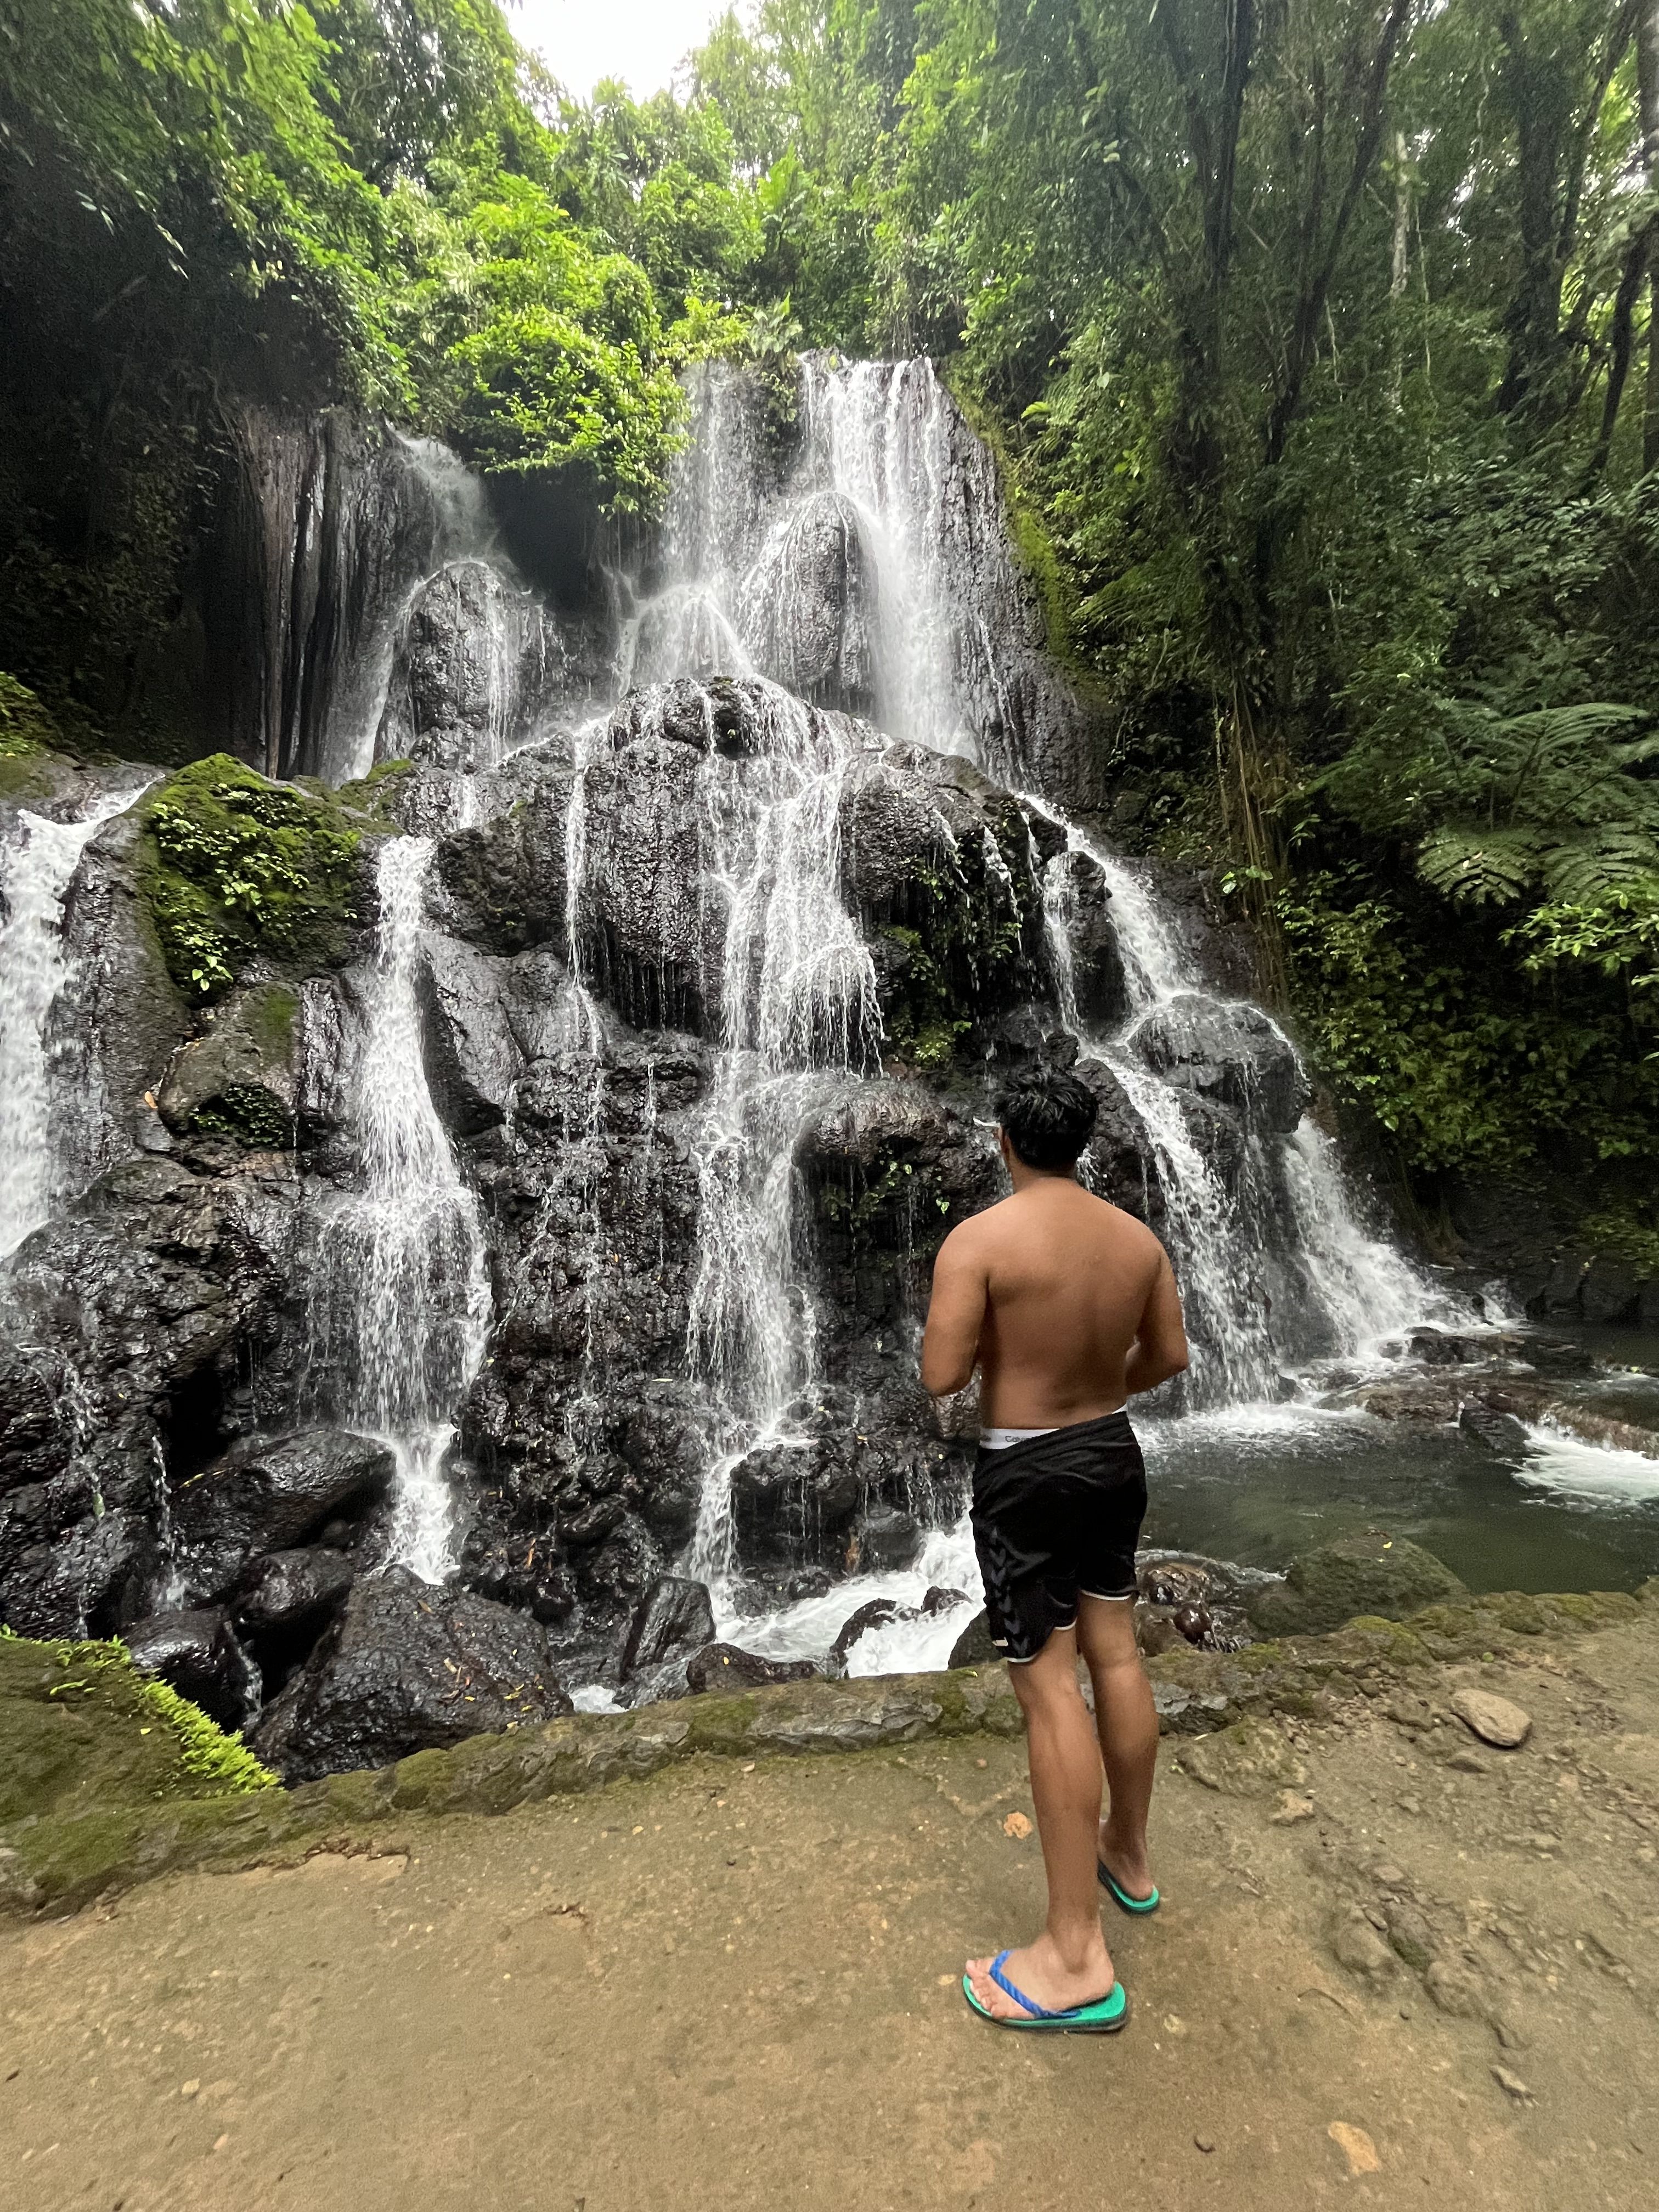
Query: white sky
[{"x": 637, "y": 41}]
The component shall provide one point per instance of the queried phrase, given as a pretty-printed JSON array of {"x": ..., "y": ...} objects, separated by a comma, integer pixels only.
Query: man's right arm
[{"x": 1159, "y": 1350}]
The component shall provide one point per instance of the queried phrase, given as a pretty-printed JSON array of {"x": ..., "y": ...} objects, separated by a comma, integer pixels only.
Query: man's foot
[
  {"x": 1042, "y": 1974},
  {"x": 1127, "y": 1864}
]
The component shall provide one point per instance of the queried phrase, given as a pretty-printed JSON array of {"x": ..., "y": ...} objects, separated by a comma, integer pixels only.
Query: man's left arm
[{"x": 956, "y": 1313}]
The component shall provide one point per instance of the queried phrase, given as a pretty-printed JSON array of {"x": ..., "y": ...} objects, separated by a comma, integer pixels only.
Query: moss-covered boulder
[
  {"x": 93, "y": 1759},
  {"x": 1367, "y": 1571},
  {"x": 240, "y": 1078},
  {"x": 238, "y": 868}
]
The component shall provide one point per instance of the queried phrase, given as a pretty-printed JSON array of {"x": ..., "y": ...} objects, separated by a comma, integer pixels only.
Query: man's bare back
[{"x": 1068, "y": 1304}]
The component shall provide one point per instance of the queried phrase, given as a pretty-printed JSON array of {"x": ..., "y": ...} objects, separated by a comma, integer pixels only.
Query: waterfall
[
  {"x": 38, "y": 869},
  {"x": 401, "y": 1310},
  {"x": 1349, "y": 1289}
]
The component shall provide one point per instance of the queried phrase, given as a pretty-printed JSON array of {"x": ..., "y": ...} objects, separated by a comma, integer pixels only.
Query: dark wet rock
[
  {"x": 973, "y": 1647},
  {"x": 724, "y": 1667},
  {"x": 887, "y": 1537},
  {"x": 939, "y": 1600},
  {"x": 1231, "y": 1053},
  {"x": 1498, "y": 1432},
  {"x": 240, "y": 1077},
  {"x": 875, "y": 1613},
  {"x": 1121, "y": 1162},
  {"x": 674, "y": 1619},
  {"x": 650, "y": 940},
  {"x": 287, "y": 1588},
  {"x": 1155, "y": 1632},
  {"x": 467, "y": 664},
  {"x": 268, "y": 1493},
  {"x": 119, "y": 1016},
  {"x": 197, "y": 1653},
  {"x": 1368, "y": 1572},
  {"x": 473, "y": 1058},
  {"x": 408, "y": 1665},
  {"x": 1097, "y": 978},
  {"x": 809, "y": 603},
  {"x": 1194, "y": 1622},
  {"x": 93, "y": 1576},
  {"x": 500, "y": 885}
]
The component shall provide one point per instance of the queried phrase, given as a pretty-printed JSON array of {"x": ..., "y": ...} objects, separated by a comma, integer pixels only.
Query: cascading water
[
  {"x": 37, "y": 873},
  {"x": 894, "y": 494},
  {"x": 401, "y": 1311}
]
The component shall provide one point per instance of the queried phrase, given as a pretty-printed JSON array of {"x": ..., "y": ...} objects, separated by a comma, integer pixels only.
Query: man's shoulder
[{"x": 1127, "y": 1231}]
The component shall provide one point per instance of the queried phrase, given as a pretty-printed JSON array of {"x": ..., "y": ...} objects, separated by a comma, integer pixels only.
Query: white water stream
[
  {"x": 35, "y": 874},
  {"x": 401, "y": 1308}
]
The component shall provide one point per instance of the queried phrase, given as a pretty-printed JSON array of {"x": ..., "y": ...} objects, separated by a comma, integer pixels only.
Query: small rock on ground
[{"x": 1495, "y": 1720}]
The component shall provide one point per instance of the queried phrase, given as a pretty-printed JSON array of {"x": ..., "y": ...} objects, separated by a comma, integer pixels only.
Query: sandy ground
[{"x": 731, "y": 1987}]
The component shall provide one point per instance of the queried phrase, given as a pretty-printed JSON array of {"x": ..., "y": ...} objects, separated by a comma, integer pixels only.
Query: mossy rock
[
  {"x": 238, "y": 868},
  {"x": 240, "y": 1079},
  {"x": 93, "y": 1757},
  {"x": 27, "y": 724},
  {"x": 1368, "y": 1571}
]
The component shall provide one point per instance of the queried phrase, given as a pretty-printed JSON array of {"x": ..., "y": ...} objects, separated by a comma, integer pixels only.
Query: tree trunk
[
  {"x": 1399, "y": 266},
  {"x": 1647, "y": 80}
]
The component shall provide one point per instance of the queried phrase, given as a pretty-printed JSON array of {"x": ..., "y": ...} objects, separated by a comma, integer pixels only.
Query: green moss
[
  {"x": 26, "y": 727},
  {"x": 237, "y": 866},
  {"x": 960, "y": 930},
  {"x": 251, "y": 1115},
  {"x": 82, "y": 1731},
  {"x": 1033, "y": 544}
]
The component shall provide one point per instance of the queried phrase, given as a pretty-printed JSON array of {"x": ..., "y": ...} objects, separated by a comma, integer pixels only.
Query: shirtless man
[{"x": 1067, "y": 1306}]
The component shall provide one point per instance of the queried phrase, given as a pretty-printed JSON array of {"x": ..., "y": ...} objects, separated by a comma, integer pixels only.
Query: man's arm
[
  {"x": 956, "y": 1313},
  {"x": 1159, "y": 1350}
]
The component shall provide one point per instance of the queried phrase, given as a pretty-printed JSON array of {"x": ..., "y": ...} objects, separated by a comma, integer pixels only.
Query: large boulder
[
  {"x": 270, "y": 1493},
  {"x": 240, "y": 1078},
  {"x": 1098, "y": 984},
  {"x": 1230, "y": 1054},
  {"x": 809, "y": 603},
  {"x": 289, "y": 1590},
  {"x": 1368, "y": 1571},
  {"x": 408, "y": 1666},
  {"x": 647, "y": 933},
  {"x": 197, "y": 1653},
  {"x": 673, "y": 1619},
  {"x": 465, "y": 667}
]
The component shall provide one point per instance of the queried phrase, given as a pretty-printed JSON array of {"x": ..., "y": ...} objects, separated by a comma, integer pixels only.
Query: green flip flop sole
[
  {"x": 1103, "y": 2017},
  {"x": 1138, "y": 1905}
]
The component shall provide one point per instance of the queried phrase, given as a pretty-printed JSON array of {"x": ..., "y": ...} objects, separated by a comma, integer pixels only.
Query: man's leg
[
  {"x": 1127, "y": 1721},
  {"x": 1068, "y": 1964}
]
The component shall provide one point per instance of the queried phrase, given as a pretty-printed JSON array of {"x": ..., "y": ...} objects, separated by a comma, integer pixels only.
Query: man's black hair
[{"x": 1048, "y": 1116}]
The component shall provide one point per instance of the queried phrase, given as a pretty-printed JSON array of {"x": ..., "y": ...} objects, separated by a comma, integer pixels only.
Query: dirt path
[{"x": 732, "y": 1988}]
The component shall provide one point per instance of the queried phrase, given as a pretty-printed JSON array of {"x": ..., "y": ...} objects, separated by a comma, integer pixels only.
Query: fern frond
[
  {"x": 1606, "y": 865},
  {"x": 1479, "y": 869}
]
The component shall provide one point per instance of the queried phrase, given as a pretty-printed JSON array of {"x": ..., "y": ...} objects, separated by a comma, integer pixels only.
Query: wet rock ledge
[{"x": 107, "y": 1780}]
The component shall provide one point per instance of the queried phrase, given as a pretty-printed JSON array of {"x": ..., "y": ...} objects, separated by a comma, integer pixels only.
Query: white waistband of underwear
[{"x": 1003, "y": 1439}]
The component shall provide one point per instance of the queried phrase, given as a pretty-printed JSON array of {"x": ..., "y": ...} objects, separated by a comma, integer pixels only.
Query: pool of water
[{"x": 1260, "y": 1484}]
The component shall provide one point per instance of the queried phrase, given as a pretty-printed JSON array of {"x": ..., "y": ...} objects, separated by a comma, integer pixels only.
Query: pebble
[
  {"x": 1206, "y": 2143},
  {"x": 1512, "y": 2085},
  {"x": 1292, "y": 1806},
  {"x": 1468, "y": 1762},
  {"x": 1355, "y": 2147},
  {"x": 1495, "y": 1720}
]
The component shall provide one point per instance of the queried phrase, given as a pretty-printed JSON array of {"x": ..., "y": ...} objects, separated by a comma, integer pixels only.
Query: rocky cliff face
[{"x": 492, "y": 1267}]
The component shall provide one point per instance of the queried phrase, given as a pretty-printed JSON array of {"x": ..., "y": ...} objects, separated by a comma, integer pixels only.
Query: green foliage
[
  {"x": 26, "y": 725},
  {"x": 240, "y": 867},
  {"x": 208, "y": 1754}
]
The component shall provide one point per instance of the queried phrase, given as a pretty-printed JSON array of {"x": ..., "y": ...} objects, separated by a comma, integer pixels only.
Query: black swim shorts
[{"x": 1056, "y": 1515}]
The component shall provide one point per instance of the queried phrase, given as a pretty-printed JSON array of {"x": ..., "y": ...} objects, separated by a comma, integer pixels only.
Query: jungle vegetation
[{"x": 1319, "y": 340}]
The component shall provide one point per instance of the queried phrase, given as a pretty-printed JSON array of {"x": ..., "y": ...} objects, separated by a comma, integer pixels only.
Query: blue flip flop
[
  {"x": 1104, "y": 2016},
  {"x": 1110, "y": 1881}
]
